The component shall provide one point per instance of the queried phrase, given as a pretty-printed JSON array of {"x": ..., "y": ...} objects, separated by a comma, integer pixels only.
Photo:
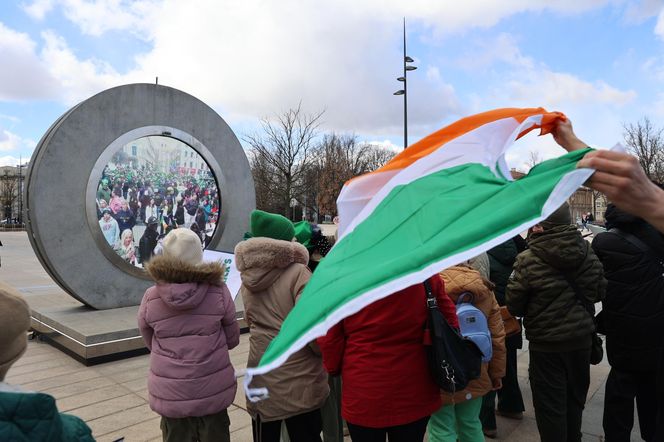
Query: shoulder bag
[{"x": 453, "y": 360}]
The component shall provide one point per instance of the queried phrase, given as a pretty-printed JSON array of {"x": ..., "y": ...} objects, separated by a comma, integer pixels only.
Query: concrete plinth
[{"x": 89, "y": 335}]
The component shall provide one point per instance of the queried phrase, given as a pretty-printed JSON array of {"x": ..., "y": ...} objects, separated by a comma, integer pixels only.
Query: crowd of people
[
  {"x": 370, "y": 371},
  {"x": 136, "y": 207}
]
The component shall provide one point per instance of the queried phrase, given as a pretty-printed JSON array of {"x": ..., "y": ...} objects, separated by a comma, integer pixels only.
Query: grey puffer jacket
[{"x": 554, "y": 318}]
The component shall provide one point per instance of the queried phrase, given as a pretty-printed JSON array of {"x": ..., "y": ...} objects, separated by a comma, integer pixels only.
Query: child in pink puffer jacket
[{"x": 187, "y": 320}]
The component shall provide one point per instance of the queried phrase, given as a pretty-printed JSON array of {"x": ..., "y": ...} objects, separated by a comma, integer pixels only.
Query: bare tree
[
  {"x": 647, "y": 143},
  {"x": 340, "y": 158},
  {"x": 8, "y": 193},
  {"x": 534, "y": 158},
  {"x": 281, "y": 156}
]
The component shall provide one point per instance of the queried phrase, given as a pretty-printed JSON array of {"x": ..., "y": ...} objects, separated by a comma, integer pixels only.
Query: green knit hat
[
  {"x": 271, "y": 225},
  {"x": 303, "y": 233}
]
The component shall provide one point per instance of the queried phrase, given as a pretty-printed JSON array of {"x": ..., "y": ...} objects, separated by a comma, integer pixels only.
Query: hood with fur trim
[
  {"x": 182, "y": 285},
  {"x": 262, "y": 260}
]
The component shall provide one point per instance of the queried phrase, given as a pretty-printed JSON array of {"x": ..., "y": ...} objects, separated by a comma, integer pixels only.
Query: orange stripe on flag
[{"x": 432, "y": 142}]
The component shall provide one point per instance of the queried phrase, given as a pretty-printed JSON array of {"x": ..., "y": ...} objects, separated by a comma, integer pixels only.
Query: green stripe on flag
[{"x": 430, "y": 219}]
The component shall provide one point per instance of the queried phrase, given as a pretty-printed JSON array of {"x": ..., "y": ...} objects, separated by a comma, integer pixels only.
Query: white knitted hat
[{"x": 185, "y": 245}]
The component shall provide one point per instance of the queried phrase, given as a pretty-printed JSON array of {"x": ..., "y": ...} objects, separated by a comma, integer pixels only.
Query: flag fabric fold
[{"x": 443, "y": 200}]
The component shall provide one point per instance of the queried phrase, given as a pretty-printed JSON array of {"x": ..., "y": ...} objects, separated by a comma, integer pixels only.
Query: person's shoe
[
  {"x": 491, "y": 433},
  {"x": 518, "y": 415}
]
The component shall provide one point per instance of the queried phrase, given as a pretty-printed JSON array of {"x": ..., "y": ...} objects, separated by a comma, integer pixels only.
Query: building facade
[{"x": 12, "y": 182}]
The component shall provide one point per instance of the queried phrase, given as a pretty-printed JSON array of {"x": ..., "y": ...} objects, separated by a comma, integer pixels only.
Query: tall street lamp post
[{"x": 404, "y": 91}]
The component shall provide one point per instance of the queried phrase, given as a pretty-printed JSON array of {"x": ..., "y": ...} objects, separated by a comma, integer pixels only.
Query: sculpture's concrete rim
[{"x": 65, "y": 165}]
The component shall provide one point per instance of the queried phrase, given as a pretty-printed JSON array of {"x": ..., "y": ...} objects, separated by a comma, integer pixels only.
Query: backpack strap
[
  {"x": 636, "y": 242},
  {"x": 432, "y": 303},
  {"x": 577, "y": 293}
]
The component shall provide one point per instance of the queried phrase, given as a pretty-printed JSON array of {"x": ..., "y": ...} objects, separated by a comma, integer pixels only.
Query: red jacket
[{"x": 382, "y": 360}]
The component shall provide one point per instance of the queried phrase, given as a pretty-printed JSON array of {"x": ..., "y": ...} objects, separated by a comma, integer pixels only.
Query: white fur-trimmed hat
[{"x": 183, "y": 244}]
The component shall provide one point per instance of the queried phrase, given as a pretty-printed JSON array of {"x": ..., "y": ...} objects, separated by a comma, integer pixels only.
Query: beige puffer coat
[
  {"x": 461, "y": 279},
  {"x": 274, "y": 273}
]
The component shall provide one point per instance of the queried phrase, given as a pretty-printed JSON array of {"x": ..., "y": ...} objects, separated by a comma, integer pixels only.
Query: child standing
[
  {"x": 187, "y": 320},
  {"x": 459, "y": 417}
]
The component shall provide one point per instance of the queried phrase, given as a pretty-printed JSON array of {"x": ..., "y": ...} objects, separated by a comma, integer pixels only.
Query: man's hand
[
  {"x": 565, "y": 136},
  {"x": 621, "y": 178},
  {"x": 497, "y": 384}
]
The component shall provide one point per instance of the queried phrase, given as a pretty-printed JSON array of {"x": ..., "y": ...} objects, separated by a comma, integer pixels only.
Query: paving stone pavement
[{"x": 112, "y": 397}]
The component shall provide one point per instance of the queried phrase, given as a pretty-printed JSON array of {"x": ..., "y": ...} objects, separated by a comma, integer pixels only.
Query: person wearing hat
[
  {"x": 274, "y": 273},
  {"x": 550, "y": 280},
  {"x": 148, "y": 241},
  {"x": 311, "y": 237},
  {"x": 109, "y": 227},
  {"x": 28, "y": 416},
  {"x": 187, "y": 320}
]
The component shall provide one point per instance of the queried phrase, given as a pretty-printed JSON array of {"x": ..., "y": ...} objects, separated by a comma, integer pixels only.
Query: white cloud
[
  {"x": 254, "y": 58},
  {"x": 24, "y": 76},
  {"x": 95, "y": 17},
  {"x": 503, "y": 49},
  {"x": 9, "y": 160},
  {"x": 77, "y": 79},
  {"x": 637, "y": 12},
  {"x": 386, "y": 144},
  {"x": 11, "y": 142},
  {"x": 554, "y": 89},
  {"x": 39, "y": 8},
  {"x": 52, "y": 73},
  {"x": 99, "y": 16}
]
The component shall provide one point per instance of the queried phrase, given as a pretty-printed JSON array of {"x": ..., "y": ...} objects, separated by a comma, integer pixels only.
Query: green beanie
[
  {"x": 560, "y": 216},
  {"x": 303, "y": 233},
  {"x": 271, "y": 225}
]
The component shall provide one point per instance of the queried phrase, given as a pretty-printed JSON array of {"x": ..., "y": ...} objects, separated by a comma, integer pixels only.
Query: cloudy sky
[{"x": 599, "y": 61}]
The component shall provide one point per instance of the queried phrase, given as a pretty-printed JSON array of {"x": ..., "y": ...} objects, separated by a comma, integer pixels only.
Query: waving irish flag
[{"x": 441, "y": 201}]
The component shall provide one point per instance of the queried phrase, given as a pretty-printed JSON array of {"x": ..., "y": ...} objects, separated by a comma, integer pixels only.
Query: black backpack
[{"x": 454, "y": 361}]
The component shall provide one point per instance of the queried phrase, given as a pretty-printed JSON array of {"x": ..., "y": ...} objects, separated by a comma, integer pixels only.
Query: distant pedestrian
[
  {"x": 187, "y": 320},
  {"x": 148, "y": 241},
  {"x": 109, "y": 228},
  {"x": 126, "y": 248}
]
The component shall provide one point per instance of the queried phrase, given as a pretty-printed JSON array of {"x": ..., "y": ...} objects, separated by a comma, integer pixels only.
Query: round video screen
[{"x": 151, "y": 186}]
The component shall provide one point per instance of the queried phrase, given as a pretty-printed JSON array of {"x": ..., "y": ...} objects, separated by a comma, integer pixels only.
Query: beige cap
[{"x": 15, "y": 320}]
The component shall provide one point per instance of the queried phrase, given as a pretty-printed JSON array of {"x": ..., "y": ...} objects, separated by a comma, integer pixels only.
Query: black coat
[
  {"x": 147, "y": 244},
  {"x": 633, "y": 311}
]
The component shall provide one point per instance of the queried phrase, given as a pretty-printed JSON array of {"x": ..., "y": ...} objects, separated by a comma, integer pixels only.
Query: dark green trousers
[
  {"x": 333, "y": 430},
  {"x": 559, "y": 382},
  {"x": 214, "y": 427}
]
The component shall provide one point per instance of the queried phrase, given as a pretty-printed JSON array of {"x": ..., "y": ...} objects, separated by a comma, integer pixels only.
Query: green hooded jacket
[
  {"x": 34, "y": 417},
  {"x": 554, "y": 318}
]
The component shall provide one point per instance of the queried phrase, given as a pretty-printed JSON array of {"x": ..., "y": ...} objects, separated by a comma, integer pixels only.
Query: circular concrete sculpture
[{"x": 66, "y": 167}]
